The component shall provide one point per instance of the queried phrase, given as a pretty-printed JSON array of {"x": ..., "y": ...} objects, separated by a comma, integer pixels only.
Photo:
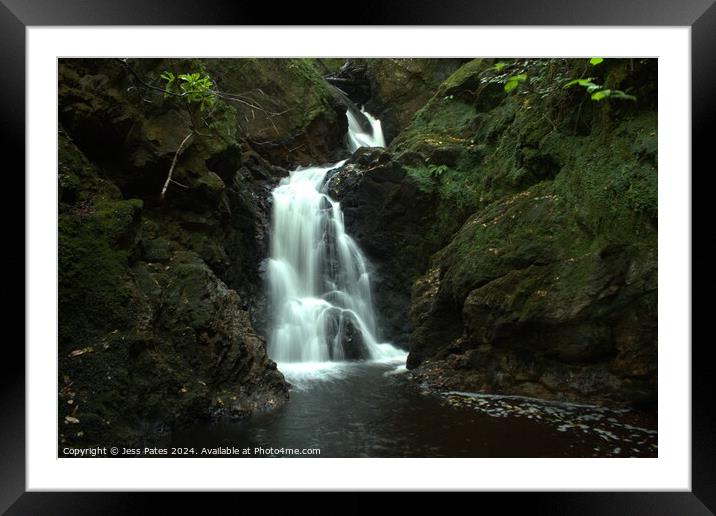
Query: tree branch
[
  {"x": 174, "y": 162},
  {"x": 226, "y": 96}
]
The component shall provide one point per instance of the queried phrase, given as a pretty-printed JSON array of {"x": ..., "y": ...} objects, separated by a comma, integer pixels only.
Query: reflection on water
[{"x": 374, "y": 410}]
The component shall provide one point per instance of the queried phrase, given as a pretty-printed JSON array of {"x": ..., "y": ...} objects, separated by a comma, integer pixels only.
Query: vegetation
[
  {"x": 494, "y": 129},
  {"x": 597, "y": 91},
  {"x": 196, "y": 87}
]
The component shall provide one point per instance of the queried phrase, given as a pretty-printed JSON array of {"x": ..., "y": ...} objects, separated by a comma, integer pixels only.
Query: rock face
[
  {"x": 161, "y": 301},
  {"x": 400, "y": 87},
  {"x": 303, "y": 121},
  {"x": 526, "y": 224},
  {"x": 351, "y": 79},
  {"x": 522, "y": 302},
  {"x": 386, "y": 212}
]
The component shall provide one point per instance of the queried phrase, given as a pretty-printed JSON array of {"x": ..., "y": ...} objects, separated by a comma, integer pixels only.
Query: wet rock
[
  {"x": 351, "y": 79},
  {"x": 354, "y": 347},
  {"x": 385, "y": 212}
]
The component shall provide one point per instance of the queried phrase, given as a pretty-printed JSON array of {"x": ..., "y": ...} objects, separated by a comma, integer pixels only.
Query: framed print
[{"x": 437, "y": 249}]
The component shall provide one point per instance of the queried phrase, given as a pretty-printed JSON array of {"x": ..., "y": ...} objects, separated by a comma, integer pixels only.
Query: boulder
[
  {"x": 549, "y": 288},
  {"x": 149, "y": 337}
]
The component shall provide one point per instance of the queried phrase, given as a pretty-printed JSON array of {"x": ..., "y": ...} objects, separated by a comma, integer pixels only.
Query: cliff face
[
  {"x": 522, "y": 228},
  {"x": 159, "y": 299}
]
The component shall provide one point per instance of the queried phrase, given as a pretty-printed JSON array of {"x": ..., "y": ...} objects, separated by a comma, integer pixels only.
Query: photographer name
[{"x": 123, "y": 451}]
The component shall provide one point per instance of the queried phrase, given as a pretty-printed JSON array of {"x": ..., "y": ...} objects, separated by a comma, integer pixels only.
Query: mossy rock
[
  {"x": 149, "y": 336},
  {"x": 400, "y": 87}
]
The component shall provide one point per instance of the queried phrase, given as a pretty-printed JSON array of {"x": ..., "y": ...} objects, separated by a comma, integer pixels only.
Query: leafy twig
[{"x": 223, "y": 95}]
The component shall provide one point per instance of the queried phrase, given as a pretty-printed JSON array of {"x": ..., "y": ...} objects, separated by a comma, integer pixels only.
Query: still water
[{"x": 375, "y": 410}]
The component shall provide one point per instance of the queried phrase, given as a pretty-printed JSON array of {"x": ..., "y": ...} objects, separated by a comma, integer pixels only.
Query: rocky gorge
[{"x": 511, "y": 231}]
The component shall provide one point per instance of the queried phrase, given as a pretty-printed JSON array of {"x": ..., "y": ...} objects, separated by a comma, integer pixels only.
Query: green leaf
[
  {"x": 437, "y": 170},
  {"x": 582, "y": 82},
  {"x": 511, "y": 85},
  {"x": 619, "y": 94},
  {"x": 514, "y": 81},
  {"x": 171, "y": 81},
  {"x": 596, "y": 60},
  {"x": 599, "y": 95},
  {"x": 499, "y": 66},
  {"x": 195, "y": 86}
]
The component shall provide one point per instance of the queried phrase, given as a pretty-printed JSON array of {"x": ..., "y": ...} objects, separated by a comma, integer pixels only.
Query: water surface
[{"x": 375, "y": 410}]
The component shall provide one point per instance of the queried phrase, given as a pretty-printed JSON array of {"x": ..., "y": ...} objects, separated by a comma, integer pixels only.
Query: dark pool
[{"x": 375, "y": 410}]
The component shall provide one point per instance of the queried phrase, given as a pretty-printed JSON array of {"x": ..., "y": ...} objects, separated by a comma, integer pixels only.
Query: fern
[{"x": 437, "y": 170}]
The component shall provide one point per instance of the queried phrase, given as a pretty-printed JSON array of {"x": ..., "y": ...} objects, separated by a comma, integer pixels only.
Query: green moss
[
  {"x": 114, "y": 219},
  {"x": 606, "y": 182},
  {"x": 441, "y": 122},
  {"x": 462, "y": 74},
  {"x": 305, "y": 70},
  {"x": 613, "y": 178},
  {"x": 332, "y": 64},
  {"x": 96, "y": 293}
]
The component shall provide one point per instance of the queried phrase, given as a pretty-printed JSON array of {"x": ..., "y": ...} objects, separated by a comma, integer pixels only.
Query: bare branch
[{"x": 174, "y": 162}]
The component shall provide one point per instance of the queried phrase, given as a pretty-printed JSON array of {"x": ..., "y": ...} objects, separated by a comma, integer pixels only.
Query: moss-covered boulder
[
  {"x": 149, "y": 336},
  {"x": 534, "y": 304},
  {"x": 549, "y": 289}
]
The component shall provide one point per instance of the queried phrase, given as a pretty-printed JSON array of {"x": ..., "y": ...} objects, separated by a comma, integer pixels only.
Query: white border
[{"x": 670, "y": 471}]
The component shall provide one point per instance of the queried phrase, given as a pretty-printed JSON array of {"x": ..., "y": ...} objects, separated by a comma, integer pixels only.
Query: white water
[
  {"x": 318, "y": 278},
  {"x": 357, "y": 138}
]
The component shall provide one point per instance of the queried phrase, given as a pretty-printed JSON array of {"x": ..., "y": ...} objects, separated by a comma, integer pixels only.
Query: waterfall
[
  {"x": 365, "y": 132},
  {"x": 319, "y": 280}
]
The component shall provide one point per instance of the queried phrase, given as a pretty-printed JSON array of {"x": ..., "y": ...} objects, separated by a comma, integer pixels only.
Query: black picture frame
[{"x": 700, "y": 15}]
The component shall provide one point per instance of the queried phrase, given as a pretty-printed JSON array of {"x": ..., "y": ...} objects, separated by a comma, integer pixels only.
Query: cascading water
[
  {"x": 361, "y": 136},
  {"x": 318, "y": 278}
]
